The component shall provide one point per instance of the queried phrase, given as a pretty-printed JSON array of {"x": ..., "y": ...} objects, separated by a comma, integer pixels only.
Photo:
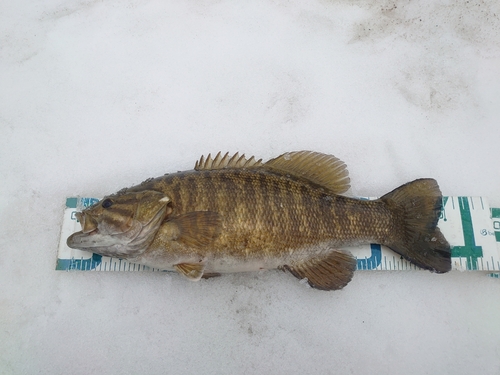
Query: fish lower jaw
[{"x": 98, "y": 243}]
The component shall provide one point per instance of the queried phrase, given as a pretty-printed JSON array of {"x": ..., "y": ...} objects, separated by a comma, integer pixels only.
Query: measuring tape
[{"x": 468, "y": 223}]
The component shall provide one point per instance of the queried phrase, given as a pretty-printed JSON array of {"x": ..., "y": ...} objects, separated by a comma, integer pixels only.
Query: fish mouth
[{"x": 90, "y": 238}]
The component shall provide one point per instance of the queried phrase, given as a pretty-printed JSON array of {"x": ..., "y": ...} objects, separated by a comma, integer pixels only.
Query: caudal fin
[{"x": 416, "y": 207}]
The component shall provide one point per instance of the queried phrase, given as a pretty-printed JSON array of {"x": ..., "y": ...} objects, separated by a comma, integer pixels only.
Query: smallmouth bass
[{"x": 233, "y": 214}]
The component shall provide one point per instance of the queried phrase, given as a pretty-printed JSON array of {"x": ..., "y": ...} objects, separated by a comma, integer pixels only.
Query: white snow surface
[{"x": 100, "y": 95}]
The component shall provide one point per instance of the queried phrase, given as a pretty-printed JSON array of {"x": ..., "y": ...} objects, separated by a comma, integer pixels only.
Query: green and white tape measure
[{"x": 468, "y": 223}]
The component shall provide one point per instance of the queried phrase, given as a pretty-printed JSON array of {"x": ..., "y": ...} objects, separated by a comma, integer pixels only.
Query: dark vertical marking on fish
[
  {"x": 211, "y": 192},
  {"x": 176, "y": 191},
  {"x": 286, "y": 209},
  {"x": 188, "y": 198},
  {"x": 296, "y": 203},
  {"x": 265, "y": 206}
]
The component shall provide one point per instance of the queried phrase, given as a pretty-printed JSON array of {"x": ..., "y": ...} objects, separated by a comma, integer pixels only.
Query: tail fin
[{"x": 416, "y": 207}]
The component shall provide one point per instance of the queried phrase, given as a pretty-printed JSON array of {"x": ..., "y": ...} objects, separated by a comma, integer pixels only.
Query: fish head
[{"x": 121, "y": 225}]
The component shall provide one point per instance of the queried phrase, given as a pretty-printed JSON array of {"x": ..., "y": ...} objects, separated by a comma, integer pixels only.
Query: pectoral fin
[
  {"x": 198, "y": 228},
  {"x": 193, "y": 272},
  {"x": 332, "y": 272}
]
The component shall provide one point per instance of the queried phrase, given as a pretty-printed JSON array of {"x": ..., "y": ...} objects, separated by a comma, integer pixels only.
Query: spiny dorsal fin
[
  {"x": 226, "y": 161},
  {"x": 198, "y": 228},
  {"x": 322, "y": 169},
  {"x": 331, "y": 272},
  {"x": 193, "y": 271}
]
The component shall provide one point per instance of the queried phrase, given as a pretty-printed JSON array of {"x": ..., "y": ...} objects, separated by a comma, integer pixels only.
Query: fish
[{"x": 237, "y": 214}]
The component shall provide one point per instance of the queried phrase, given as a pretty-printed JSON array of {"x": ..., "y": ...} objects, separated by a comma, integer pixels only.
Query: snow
[{"x": 99, "y": 95}]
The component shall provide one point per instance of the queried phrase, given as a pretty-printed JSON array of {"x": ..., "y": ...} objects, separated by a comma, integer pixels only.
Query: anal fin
[
  {"x": 331, "y": 272},
  {"x": 193, "y": 271}
]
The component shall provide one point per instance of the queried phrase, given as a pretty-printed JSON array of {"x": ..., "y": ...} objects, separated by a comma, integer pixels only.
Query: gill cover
[{"x": 122, "y": 225}]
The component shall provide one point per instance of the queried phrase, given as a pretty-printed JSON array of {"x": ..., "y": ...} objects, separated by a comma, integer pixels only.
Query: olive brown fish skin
[{"x": 233, "y": 214}]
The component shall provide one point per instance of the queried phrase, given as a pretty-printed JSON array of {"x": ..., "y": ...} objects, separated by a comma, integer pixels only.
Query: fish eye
[{"x": 107, "y": 203}]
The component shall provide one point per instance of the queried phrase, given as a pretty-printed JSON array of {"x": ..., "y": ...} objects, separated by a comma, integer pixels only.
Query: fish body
[{"x": 232, "y": 214}]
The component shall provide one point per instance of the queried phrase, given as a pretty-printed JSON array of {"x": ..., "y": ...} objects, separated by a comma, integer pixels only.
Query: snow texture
[{"x": 99, "y": 95}]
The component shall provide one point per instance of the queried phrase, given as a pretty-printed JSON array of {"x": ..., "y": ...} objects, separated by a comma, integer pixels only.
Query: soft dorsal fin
[
  {"x": 331, "y": 272},
  {"x": 197, "y": 228},
  {"x": 193, "y": 271},
  {"x": 322, "y": 169},
  {"x": 226, "y": 161}
]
